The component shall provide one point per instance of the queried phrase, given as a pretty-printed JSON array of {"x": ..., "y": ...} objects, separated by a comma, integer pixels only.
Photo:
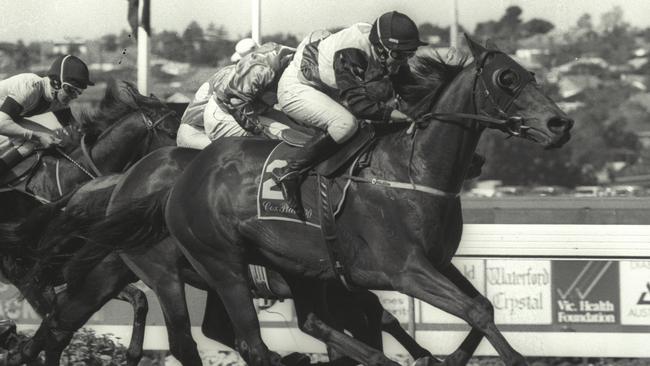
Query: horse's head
[
  {"x": 157, "y": 117},
  {"x": 138, "y": 125},
  {"x": 122, "y": 100},
  {"x": 505, "y": 90}
]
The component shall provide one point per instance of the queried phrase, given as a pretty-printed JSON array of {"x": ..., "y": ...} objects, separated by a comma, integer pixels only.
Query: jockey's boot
[
  {"x": 289, "y": 177},
  {"x": 474, "y": 170}
]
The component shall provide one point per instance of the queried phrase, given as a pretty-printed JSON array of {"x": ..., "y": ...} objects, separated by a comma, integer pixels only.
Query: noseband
[{"x": 511, "y": 124}]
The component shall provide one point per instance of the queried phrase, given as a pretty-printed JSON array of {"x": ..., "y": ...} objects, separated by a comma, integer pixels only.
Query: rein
[
  {"x": 512, "y": 125},
  {"x": 150, "y": 126},
  {"x": 86, "y": 153}
]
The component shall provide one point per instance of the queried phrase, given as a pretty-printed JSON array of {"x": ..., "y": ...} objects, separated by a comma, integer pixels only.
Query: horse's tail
[{"x": 140, "y": 223}]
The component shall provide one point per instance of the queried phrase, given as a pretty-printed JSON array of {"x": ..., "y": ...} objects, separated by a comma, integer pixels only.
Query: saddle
[
  {"x": 323, "y": 191},
  {"x": 20, "y": 170},
  {"x": 27, "y": 164},
  {"x": 296, "y": 135}
]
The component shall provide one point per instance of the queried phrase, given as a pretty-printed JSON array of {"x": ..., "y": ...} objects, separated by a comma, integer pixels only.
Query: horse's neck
[
  {"x": 118, "y": 146},
  {"x": 439, "y": 154},
  {"x": 444, "y": 150}
]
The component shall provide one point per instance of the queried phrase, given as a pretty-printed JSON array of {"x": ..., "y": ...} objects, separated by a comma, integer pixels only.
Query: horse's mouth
[{"x": 548, "y": 141}]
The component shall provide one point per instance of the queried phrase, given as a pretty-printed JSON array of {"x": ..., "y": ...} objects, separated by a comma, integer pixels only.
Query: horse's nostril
[{"x": 560, "y": 124}]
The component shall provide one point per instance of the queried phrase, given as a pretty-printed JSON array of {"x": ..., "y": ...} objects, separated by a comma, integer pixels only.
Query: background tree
[
  {"x": 193, "y": 42},
  {"x": 217, "y": 46},
  {"x": 167, "y": 45},
  {"x": 285, "y": 39},
  {"x": 431, "y": 30},
  {"x": 109, "y": 43},
  {"x": 22, "y": 57},
  {"x": 510, "y": 28}
]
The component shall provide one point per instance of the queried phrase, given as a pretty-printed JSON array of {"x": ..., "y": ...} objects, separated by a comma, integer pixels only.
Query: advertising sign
[
  {"x": 635, "y": 292},
  {"x": 586, "y": 292},
  {"x": 520, "y": 290}
]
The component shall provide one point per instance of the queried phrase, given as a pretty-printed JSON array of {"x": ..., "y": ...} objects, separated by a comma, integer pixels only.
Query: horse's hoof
[
  {"x": 296, "y": 359},
  {"x": 427, "y": 361}
]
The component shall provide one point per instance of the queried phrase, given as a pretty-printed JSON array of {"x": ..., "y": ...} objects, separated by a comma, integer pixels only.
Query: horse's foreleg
[
  {"x": 74, "y": 309},
  {"x": 421, "y": 280},
  {"x": 311, "y": 313},
  {"x": 216, "y": 322},
  {"x": 391, "y": 325},
  {"x": 467, "y": 348},
  {"x": 381, "y": 320},
  {"x": 138, "y": 301},
  {"x": 228, "y": 278},
  {"x": 163, "y": 278}
]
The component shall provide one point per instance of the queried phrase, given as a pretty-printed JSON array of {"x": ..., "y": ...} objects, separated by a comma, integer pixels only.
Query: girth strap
[
  {"x": 401, "y": 185},
  {"x": 328, "y": 229}
]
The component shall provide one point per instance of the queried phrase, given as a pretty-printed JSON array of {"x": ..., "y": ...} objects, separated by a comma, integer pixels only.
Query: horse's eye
[{"x": 506, "y": 78}]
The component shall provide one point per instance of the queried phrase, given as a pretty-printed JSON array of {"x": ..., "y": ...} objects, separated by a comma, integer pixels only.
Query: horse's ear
[
  {"x": 475, "y": 47},
  {"x": 491, "y": 45}
]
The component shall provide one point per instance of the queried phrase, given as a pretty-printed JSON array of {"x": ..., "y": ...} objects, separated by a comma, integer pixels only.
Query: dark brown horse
[
  {"x": 138, "y": 125},
  {"x": 399, "y": 234},
  {"x": 163, "y": 268}
]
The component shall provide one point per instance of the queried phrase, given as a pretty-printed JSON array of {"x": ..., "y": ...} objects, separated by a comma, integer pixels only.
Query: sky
[{"x": 32, "y": 20}]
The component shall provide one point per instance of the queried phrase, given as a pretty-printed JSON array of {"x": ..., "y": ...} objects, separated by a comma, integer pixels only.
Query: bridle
[
  {"x": 511, "y": 124},
  {"x": 151, "y": 126}
]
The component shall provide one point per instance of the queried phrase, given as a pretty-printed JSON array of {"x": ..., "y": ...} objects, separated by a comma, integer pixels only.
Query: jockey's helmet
[
  {"x": 394, "y": 31},
  {"x": 243, "y": 48},
  {"x": 70, "y": 70}
]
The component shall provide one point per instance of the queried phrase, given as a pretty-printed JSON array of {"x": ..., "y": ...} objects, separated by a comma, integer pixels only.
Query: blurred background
[{"x": 594, "y": 64}]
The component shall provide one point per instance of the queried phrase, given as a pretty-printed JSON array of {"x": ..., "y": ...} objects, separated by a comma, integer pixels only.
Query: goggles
[
  {"x": 400, "y": 55},
  {"x": 71, "y": 90}
]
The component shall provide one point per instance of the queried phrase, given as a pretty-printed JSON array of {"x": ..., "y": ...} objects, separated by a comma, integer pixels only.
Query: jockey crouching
[
  {"x": 26, "y": 95},
  {"x": 231, "y": 101},
  {"x": 326, "y": 86}
]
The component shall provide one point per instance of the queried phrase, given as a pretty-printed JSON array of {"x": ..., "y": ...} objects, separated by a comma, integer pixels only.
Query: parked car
[
  {"x": 506, "y": 191},
  {"x": 589, "y": 191},
  {"x": 625, "y": 191},
  {"x": 548, "y": 191},
  {"x": 480, "y": 192}
]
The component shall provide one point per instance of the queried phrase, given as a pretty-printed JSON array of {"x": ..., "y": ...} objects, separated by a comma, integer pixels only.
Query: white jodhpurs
[
  {"x": 192, "y": 137},
  {"x": 219, "y": 123},
  {"x": 308, "y": 105}
]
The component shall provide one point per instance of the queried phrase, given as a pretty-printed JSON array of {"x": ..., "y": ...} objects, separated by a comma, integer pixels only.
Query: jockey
[
  {"x": 231, "y": 101},
  {"x": 26, "y": 95},
  {"x": 328, "y": 86},
  {"x": 243, "y": 48}
]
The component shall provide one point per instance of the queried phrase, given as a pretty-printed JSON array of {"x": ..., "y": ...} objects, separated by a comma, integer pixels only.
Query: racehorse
[
  {"x": 163, "y": 269},
  {"x": 138, "y": 125},
  {"x": 401, "y": 222}
]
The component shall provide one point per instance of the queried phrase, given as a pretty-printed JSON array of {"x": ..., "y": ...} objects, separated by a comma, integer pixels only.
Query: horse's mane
[
  {"x": 121, "y": 98},
  {"x": 430, "y": 76}
]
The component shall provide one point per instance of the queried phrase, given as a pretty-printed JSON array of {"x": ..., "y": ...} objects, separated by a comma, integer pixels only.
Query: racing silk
[
  {"x": 27, "y": 95},
  {"x": 344, "y": 66},
  {"x": 193, "y": 114},
  {"x": 252, "y": 88}
]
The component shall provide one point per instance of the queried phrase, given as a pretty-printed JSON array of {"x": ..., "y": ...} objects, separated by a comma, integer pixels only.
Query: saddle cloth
[{"x": 270, "y": 201}]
